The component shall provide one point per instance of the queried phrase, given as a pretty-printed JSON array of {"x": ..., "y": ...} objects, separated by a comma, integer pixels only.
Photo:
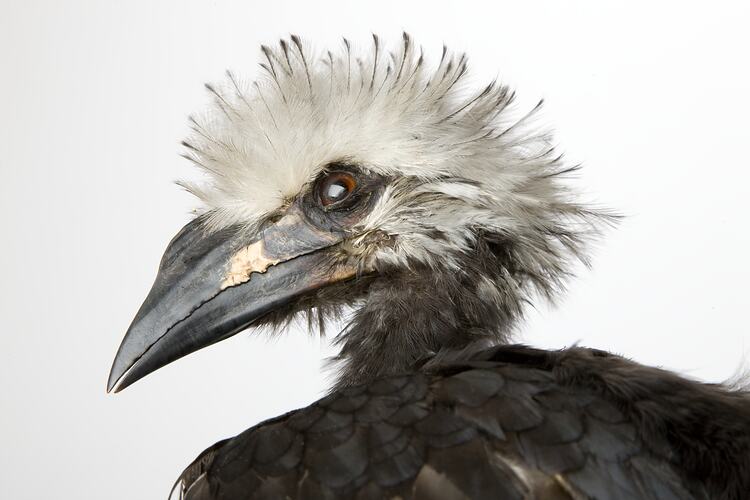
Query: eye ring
[{"x": 335, "y": 188}]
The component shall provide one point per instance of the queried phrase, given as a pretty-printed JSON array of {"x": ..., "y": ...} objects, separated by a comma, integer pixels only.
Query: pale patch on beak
[{"x": 245, "y": 262}]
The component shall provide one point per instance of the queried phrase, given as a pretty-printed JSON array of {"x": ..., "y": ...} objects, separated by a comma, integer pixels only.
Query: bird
[{"x": 378, "y": 187}]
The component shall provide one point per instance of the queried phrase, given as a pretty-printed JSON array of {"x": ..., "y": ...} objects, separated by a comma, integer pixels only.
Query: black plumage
[{"x": 509, "y": 422}]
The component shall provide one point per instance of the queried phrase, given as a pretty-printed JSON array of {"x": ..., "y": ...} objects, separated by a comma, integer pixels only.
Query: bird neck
[{"x": 410, "y": 317}]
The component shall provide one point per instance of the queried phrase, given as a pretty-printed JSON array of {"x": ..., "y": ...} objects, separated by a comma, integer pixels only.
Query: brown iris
[{"x": 335, "y": 188}]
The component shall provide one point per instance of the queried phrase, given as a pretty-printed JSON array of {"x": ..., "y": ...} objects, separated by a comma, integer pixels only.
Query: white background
[{"x": 94, "y": 95}]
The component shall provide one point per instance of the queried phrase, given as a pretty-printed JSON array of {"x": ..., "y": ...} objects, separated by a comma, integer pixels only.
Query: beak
[{"x": 211, "y": 286}]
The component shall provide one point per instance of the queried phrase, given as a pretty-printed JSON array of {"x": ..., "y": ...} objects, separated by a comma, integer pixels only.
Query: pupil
[{"x": 336, "y": 191}]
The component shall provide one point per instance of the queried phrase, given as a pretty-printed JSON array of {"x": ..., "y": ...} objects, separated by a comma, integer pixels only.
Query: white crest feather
[{"x": 263, "y": 142}]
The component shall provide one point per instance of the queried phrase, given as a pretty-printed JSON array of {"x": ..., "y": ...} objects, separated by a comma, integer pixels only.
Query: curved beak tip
[
  {"x": 111, "y": 383},
  {"x": 115, "y": 375}
]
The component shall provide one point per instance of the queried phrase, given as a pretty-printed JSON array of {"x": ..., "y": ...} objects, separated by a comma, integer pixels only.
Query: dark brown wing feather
[{"x": 512, "y": 423}]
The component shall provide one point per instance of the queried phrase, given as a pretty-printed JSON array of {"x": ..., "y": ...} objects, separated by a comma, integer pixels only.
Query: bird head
[{"x": 366, "y": 181}]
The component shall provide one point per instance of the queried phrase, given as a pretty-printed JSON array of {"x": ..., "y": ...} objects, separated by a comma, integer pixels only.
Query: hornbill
[{"x": 375, "y": 185}]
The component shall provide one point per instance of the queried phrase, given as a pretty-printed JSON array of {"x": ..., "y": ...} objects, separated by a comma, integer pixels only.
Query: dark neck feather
[{"x": 410, "y": 315}]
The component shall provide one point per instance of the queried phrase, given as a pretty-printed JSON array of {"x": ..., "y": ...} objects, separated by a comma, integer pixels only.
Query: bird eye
[{"x": 335, "y": 188}]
